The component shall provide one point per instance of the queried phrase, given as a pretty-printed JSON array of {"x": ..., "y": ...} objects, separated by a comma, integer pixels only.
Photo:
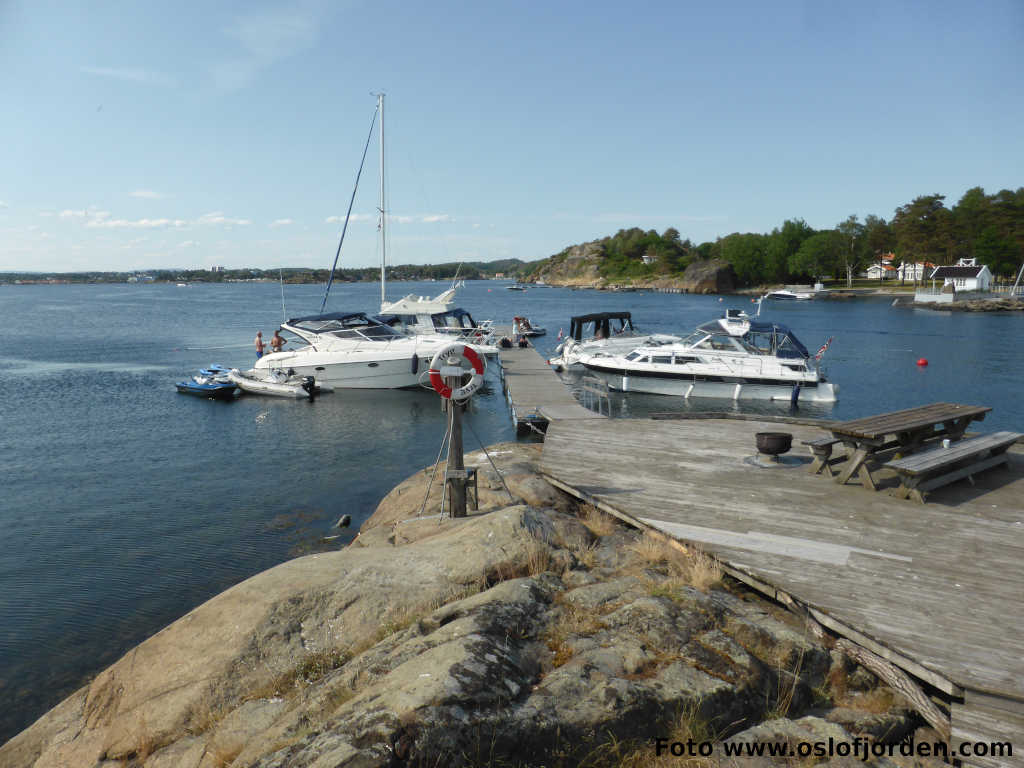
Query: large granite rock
[
  {"x": 711, "y": 276},
  {"x": 521, "y": 635}
]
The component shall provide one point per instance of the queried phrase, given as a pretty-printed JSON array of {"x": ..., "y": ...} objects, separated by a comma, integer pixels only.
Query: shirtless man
[
  {"x": 277, "y": 341},
  {"x": 259, "y": 344}
]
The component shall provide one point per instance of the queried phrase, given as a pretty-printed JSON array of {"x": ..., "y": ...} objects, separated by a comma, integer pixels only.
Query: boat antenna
[
  {"x": 284, "y": 315},
  {"x": 348, "y": 214}
]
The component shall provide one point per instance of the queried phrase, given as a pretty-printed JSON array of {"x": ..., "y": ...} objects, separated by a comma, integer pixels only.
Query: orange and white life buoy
[{"x": 468, "y": 354}]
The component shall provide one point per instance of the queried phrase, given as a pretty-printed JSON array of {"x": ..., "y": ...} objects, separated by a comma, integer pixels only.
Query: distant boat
[
  {"x": 515, "y": 287},
  {"x": 784, "y": 295}
]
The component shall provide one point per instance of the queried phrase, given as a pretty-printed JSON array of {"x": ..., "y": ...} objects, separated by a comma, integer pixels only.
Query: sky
[{"x": 141, "y": 135}]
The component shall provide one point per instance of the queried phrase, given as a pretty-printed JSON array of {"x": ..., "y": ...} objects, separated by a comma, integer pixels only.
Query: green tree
[
  {"x": 854, "y": 246},
  {"x": 747, "y": 254},
  {"x": 998, "y": 252},
  {"x": 923, "y": 231},
  {"x": 818, "y": 255},
  {"x": 783, "y": 244}
]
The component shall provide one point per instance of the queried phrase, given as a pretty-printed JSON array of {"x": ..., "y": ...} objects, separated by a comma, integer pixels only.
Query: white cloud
[
  {"x": 219, "y": 218},
  {"x": 432, "y": 218},
  {"x": 129, "y": 75},
  {"x": 188, "y": 244},
  {"x": 146, "y": 194},
  {"x": 137, "y": 223},
  {"x": 281, "y": 223},
  {"x": 68, "y": 214},
  {"x": 262, "y": 39},
  {"x": 3, "y": 204},
  {"x": 353, "y": 217}
]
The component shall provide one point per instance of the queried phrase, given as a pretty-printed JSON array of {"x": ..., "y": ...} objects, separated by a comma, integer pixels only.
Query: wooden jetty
[
  {"x": 535, "y": 393},
  {"x": 931, "y": 592}
]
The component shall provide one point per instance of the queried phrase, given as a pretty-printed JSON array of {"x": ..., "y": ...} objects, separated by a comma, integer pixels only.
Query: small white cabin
[{"x": 965, "y": 275}]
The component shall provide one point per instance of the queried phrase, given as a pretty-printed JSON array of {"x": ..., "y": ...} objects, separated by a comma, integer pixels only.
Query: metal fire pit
[{"x": 774, "y": 443}]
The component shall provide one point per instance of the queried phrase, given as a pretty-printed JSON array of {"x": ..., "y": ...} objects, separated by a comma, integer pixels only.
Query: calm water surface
[{"x": 125, "y": 504}]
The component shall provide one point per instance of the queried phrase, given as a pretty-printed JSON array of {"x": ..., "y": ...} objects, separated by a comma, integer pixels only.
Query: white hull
[
  {"x": 350, "y": 371},
  {"x": 697, "y": 386}
]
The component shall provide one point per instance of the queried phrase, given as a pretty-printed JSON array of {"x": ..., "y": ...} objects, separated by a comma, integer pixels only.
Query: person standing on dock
[{"x": 259, "y": 344}]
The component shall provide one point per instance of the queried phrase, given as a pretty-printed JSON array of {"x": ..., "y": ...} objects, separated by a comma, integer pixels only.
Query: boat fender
[
  {"x": 469, "y": 355},
  {"x": 794, "y": 398},
  {"x": 415, "y": 363}
]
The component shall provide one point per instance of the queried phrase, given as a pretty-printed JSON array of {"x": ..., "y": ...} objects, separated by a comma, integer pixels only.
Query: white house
[
  {"x": 884, "y": 271},
  {"x": 915, "y": 272},
  {"x": 966, "y": 275}
]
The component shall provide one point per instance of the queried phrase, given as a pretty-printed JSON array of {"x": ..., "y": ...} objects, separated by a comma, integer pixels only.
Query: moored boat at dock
[{"x": 736, "y": 357}]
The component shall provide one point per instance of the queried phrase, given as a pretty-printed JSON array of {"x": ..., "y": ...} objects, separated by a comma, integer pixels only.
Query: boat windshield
[
  {"x": 457, "y": 319},
  {"x": 371, "y": 332},
  {"x": 351, "y": 325}
]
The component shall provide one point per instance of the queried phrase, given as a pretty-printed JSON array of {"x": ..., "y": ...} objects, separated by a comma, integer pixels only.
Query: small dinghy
[{"x": 276, "y": 383}]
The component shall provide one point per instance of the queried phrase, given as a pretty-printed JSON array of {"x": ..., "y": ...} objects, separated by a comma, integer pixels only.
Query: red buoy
[{"x": 922, "y": 361}]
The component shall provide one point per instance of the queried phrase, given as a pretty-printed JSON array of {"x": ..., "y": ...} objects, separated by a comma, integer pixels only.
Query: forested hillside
[{"x": 987, "y": 227}]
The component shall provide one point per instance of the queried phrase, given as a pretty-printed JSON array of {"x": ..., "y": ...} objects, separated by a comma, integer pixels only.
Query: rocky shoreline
[{"x": 535, "y": 632}]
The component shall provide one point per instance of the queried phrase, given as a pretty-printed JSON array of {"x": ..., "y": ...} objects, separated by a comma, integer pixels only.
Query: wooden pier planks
[
  {"x": 536, "y": 395},
  {"x": 935, "y": 590}
]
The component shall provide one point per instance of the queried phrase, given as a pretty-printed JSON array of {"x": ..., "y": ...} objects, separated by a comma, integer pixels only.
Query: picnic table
[{"x": 906, "y": 431}]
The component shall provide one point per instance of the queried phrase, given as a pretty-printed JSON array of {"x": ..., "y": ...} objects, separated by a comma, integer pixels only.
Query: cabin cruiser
[
  {"x": 795, "y": 292},
  {"x": 738, "y": 357},
  {"x": 610, "y": 333},
  {"x": 438, "y": 318},
  {"x": 349, "y": 350}
]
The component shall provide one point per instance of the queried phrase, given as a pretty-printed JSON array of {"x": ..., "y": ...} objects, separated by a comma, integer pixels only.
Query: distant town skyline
[{"x": 145, "y": 136}]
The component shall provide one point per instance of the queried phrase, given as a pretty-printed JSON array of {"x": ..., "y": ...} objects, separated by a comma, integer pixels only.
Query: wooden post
[{"x": 456, "y": 472}]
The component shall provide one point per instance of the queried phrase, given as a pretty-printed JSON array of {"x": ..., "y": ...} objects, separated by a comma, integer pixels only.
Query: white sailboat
[{"x": 351, "y": 350}]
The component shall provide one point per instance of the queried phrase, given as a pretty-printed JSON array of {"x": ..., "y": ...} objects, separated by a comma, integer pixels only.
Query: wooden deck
[
  {"x": 535, "y": 393},
  {"x": 934, "y": 590}
]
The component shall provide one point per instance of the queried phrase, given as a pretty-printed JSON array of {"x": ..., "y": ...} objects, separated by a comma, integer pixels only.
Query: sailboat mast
[{"x": 383, "y": 213}]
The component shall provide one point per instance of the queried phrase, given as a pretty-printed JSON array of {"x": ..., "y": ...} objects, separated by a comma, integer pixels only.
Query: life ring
[{"x": 468, "y": 354}]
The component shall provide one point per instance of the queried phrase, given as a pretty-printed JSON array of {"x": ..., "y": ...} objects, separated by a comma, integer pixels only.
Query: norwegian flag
[{"x": 821, "y": 351}]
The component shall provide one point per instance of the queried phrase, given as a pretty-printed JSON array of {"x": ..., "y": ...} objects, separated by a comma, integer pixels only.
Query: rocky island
[{"x": 535, "y": 631}]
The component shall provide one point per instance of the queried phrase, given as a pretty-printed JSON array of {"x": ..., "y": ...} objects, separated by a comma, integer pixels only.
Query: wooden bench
[
  {"x": 937, "y": 466},
  {"x": 822, "y": 450}
]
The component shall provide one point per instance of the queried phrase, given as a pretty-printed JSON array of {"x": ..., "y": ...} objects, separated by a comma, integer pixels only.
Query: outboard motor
[{"x": 309, "y": 386}]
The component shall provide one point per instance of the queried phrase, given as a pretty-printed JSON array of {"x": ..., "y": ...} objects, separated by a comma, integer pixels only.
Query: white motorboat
[
  {"x": 736, "y": 357},
  {"x": 795, "y": 293},
  {"x": 610, "y": 333},
  {"x": 277, "y": 383},
  {"x": 349, "y": 350},
  {"x": 438, "y": 318}
]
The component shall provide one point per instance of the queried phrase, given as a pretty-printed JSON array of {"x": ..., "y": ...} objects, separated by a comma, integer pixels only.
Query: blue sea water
[{"x": 125, "y": 504}]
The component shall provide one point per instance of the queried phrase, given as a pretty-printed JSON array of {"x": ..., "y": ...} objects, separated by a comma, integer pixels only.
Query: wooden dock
[
  {"x": 934, "y": 590},
  {"x": 536, "y": 395}
]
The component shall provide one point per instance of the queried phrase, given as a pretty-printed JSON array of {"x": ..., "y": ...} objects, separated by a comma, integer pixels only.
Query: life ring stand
[{"x": 468, "y": 354}]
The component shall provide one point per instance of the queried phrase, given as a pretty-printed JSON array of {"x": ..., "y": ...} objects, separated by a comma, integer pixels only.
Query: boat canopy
[
  {"x": 767, "y": 336},
  {"x": 602, "y": 323}
]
